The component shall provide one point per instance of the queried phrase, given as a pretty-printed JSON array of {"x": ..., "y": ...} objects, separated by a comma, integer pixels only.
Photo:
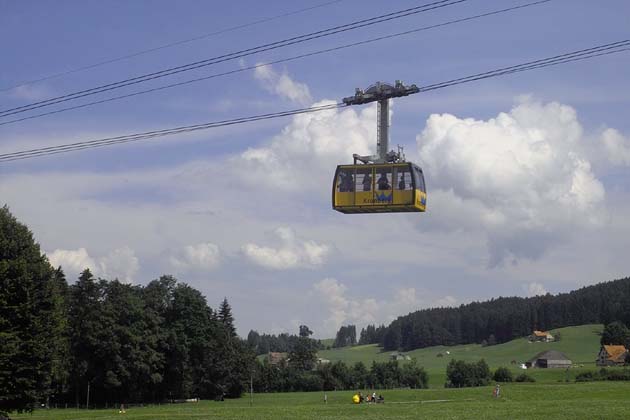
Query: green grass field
[
  {"x": 580, "y": 344},
  {"x": 550, "y": 397},
  {"x": 595, "y": 400}
]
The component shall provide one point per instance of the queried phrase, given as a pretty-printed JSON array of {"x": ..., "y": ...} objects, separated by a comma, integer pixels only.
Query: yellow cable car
[
  {"x": 379, "y": 188},
  {"x": 385, "y": 182}
]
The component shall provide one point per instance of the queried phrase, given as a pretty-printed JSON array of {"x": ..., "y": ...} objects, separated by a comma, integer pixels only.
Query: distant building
[
  {"x": 612, "y": 356},
  {"x": 321, "y": 361},
  {"x": 275, "y": 358},
  {"x": 549, "y": 359},
  {"x": 544, "y": 336}
]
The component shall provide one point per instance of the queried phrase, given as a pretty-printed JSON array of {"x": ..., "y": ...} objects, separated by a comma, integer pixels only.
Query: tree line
[
  {"x": 286, "y": 376},
  {"x": 506, "y": 318},
  {"x": 104, "y": 342},
  {"x": 372, "y": 334},
  {"x": 281, "y": 343}
]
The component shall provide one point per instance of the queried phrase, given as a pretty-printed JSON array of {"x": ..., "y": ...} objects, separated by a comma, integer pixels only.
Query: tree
[
  {"x": 60, "y": 335},
  {"x": 392, "y": 339},
  {"x": 505, "y": 318},
  {"x": 359, "y": 375},
  {"x": 502, "y": 374},
  {"x": 304, "y": 352},
  {"x": 253, "y": 339},
  {"x": 462, "y": 374},
  {"x": 226, "y": 318},
  {"x": 305, "y": 331},
  {"x": 616, "y": 333},
  {"x": 414, "y": 376},
  {"x": 86, "y": 323},
  {"x": 346, "y": 336},
  {"x": 29, "y": 317}
]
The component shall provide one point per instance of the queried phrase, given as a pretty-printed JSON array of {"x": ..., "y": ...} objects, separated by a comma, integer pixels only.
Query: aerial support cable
[{"x": 360, "y": 97}]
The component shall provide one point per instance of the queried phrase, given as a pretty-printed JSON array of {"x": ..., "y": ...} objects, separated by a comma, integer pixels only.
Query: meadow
[
  {"x": 554, "y": 394},
  {"x": 593, "y": 400},
  {"x": 580, "y": 344}
]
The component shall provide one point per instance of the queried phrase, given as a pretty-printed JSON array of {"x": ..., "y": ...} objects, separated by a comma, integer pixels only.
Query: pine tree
[{"x": 226, "y": 318}]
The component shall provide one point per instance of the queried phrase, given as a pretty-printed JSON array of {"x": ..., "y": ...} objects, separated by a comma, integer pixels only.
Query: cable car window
[
  {"x": 345, "y": 180},
  {"x": 364, "y": 179},
  {"x": 419, "y": 179},
  {"x": 384, "y": 181},
  {"x": 403, "y": 180}
]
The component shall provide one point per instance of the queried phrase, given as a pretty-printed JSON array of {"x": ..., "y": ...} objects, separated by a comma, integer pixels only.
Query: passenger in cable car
[
  {"x": 347, "y": 183},
  {"x": 383, "y": 182},
  {"x": 367, "y": 183},
  {"x": 401, "y": 184}
]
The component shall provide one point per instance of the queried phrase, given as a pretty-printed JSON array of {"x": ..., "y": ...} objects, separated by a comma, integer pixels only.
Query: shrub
[
  {"x": 413, "y": 376},
  {"x": 617, "y": 375},
  {"x": 461, "y": 374},
  {"x": 523, "y": 377},
  {"x": 603, "y": 375},
  {"x": 586, "y": 376},
  {"x": 503, "y": 374}
]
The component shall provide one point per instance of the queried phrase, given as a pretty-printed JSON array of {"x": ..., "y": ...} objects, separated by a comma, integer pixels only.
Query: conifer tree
[{"x": 226, "y": 318}]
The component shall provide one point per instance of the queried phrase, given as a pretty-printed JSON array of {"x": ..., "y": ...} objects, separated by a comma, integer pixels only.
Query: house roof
[
  {"x": 550, "y": 355},
  {"x": 276, "y": 357},
  {"x": 615, "y": 353},
  {"x": 541, "y": 333}
]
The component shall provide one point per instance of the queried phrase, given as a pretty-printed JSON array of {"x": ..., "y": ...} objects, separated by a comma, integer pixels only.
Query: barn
[
  {"x": 612, "y": 356},
  {"x": 549, "y": 359}
]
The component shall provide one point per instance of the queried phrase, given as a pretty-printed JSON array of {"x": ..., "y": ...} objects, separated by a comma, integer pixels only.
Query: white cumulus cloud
[
  {"x": 303, "y": 156},
  {"x": 293, "y": 252},
  {"x": 202, "y": 256},
  {"x": 617, "y": 146},
  {"x": 343, "y": 308},
  {"x": 522, "y": 175},
  {"x": 73, "y": 261},
  {"x": 121, "y": 263},
  {"x": 534, "y": 289},
  {"x": 446, "y": 302},
  {"x": 282, "y": 85}
]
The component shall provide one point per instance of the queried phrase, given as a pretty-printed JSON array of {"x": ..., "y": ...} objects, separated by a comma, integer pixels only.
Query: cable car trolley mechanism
[{"x": 385, "y": 182}]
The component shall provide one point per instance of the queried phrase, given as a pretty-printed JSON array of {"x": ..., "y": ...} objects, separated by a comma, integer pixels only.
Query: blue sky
[{"x": 527, "y": 174}]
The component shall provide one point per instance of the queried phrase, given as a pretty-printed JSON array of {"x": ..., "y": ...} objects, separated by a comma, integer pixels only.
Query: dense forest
[
  {"x": 105, "y": 342},
  {"x": 503, "y": 319}
]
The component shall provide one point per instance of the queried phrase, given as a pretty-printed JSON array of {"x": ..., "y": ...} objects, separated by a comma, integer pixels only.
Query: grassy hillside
[
  {"x": 580, "y": 344},
  {"x": 327, "y": 341}
]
